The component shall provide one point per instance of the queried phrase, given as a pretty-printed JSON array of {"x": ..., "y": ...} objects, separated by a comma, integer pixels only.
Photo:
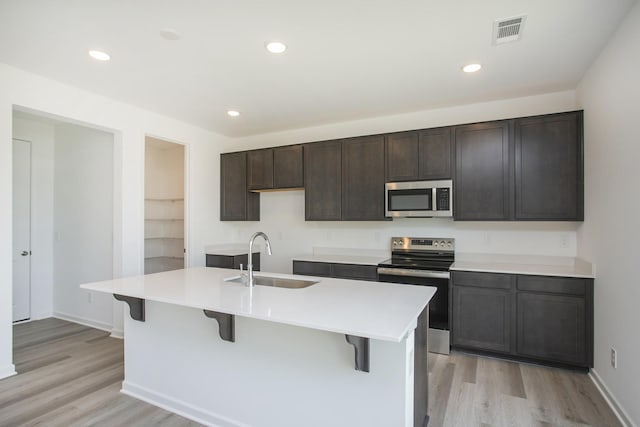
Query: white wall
[
  {"x": 282, "y": 213},
  {"x": 129, "y": 124},
  {"x": 83, "y": 223},
  {"x": 42, "y": 137},
  {"x": 610, "y": 95},
  {"x": 164, "y": 172}
]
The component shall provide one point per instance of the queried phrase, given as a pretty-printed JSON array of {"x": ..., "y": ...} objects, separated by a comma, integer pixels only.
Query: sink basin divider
[{"x": 226, "y": 324}]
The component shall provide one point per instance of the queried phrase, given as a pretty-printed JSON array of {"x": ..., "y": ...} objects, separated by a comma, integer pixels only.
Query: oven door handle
[{"x": 414, "y": 273}]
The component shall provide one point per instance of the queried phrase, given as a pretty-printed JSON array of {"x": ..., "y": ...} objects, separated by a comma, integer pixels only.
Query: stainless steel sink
[{"x": 276, "y": 282}]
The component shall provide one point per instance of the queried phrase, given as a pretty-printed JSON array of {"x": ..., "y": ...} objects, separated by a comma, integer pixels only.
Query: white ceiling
[{"x": 346, "y": 59}]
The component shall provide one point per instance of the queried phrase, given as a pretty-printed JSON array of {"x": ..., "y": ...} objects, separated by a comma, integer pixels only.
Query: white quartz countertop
[
  {"x": 522, "y": 264},
  {"x": 342, "y": 259},
  {"x": 374, "y": 310}
]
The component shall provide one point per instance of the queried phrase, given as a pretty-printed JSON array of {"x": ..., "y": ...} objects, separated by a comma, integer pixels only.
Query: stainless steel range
[{"x": 424, "y": 261}]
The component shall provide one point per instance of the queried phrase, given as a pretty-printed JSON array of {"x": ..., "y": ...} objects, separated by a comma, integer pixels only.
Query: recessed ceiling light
[
  {"x": 233, "y": 113},
  {"x": 99, "y": 55},
  {"x": 471, "y": 68},
  {"x": 276, "y": 47},
  {"x": 169, "y": 34}
]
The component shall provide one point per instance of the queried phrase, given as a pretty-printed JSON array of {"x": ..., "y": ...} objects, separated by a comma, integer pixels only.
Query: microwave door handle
[{"x": 434, "y": 204}]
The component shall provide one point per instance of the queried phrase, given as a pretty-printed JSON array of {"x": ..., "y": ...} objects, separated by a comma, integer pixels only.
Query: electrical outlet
[
  {"x": 89, "y": 297},
  {"x": 614, "y": 358},
  {"x": 564, "y": 241}
]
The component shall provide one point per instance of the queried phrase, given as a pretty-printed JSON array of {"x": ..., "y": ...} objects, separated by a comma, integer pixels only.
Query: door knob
[{"x": 24, "y": 253}]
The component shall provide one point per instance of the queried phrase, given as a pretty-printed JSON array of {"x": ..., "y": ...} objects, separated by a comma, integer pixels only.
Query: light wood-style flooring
[{"x": 70, "y": 375}]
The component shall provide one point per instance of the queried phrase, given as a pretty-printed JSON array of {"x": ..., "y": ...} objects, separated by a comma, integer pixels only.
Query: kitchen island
[{"x": 339, "y": 353}]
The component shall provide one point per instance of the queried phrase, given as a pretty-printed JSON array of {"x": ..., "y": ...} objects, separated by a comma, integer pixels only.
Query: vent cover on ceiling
[{"x": 508, "y": 30}]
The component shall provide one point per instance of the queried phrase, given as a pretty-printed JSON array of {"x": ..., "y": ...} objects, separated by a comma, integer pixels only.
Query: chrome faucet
[{"x": 250, "y": 258}]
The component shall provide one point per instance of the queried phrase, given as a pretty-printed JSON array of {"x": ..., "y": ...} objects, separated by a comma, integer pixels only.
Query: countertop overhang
[{"x": 373, "y": 310}]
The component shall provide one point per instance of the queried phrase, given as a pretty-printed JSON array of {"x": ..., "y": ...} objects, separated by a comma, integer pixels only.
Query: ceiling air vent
[{"x": 508, "y": 30}]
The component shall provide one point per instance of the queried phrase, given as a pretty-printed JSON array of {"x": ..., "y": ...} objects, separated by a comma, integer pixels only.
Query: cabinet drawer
[
  {"x": 312, "y": 268},
  {"x": 482, "y": 280},
  {"x": 555, "y": 285},
  {"x": 352, "y": 271}
]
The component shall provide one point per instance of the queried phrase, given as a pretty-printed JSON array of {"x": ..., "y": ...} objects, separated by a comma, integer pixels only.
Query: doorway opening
[
  {"x": 63, "y": 218},
  {"x": 164, "y": 207}
]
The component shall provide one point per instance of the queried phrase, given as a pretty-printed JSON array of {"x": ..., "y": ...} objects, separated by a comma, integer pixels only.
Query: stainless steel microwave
[{"x": 419, "y": 199}]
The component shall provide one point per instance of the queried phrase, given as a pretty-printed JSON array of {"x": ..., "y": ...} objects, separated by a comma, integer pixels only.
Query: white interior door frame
[{"x": 21, "y": 235}]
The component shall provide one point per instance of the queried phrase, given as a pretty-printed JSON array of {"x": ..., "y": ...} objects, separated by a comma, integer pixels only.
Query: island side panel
[
  {"x": 273, "y": 375},
  {"x": 421, "y": 379}
]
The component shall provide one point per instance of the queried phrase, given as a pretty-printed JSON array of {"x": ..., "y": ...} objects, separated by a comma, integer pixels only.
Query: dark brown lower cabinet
[
  {"x": 548, "y": 319},
  {"x": 336, "y": 270},
  {"x": 552, "y": 327},
  {"x": 233, "y": 261},
  {"x": 482, "y": 318}
]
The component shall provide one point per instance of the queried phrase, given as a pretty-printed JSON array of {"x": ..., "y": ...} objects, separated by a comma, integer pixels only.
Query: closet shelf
[
  {"x": 164, "y": 238},
  {"x": 163, "y": 200}
]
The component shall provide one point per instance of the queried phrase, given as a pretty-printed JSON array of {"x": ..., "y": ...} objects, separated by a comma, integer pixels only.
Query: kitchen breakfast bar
[{"x": 336, "y": 353}]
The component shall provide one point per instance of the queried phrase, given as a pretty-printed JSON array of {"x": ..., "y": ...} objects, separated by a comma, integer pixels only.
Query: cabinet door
[
  {"x": 481, "y": 318},
  {"x": 260, "y": 169},
  {"x": 548, "y": 167},
  {"x": 402, "y": 156},
  {"x": 482, "y": 186},
  {"x": 363, "y": 179},
  {"x": 323, "y": 181},
  {"x": 236, "y": 203},
  {"x": 287, "y": 167},
  {"x": 435, "y": 154},
  {"x": 552, "y": 327}
]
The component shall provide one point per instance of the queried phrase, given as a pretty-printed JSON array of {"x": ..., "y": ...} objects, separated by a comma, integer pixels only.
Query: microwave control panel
[{"x": 443, "y": 199}]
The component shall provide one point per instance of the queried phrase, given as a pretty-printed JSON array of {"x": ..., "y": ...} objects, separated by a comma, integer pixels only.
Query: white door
[{"x": 21, "y": 230}]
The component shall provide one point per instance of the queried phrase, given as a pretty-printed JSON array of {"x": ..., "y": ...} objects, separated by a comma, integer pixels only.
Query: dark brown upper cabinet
[
  {"x": 260, "y": 169},
  {"x": 287, "y": 167},
  {"x": 402, "y": 157},
  {"x": 419, "y": 155},
  {"x": 275, "y": 168},
  {"x": 548, "y": 167},
  {"x": 435, "y": 153},
  {"x": 483, "y": 184},
  {"x": 236, "y": 202},
  {"x": 363, "y": 179},
  {"x": 323, "y": 181}
]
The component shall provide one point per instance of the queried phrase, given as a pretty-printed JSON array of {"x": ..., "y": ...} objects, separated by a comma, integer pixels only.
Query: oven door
[{"x": 438, "y": 306}]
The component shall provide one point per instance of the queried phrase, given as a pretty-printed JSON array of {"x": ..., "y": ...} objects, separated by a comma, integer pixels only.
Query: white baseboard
[
  {"x": 82, "y": 321},
  {"x": 179, "y": 407},
  {"x": 7, "y": 371},
  {"x": 117, "y": 333},
  {"x": 622, "y": 415}
]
